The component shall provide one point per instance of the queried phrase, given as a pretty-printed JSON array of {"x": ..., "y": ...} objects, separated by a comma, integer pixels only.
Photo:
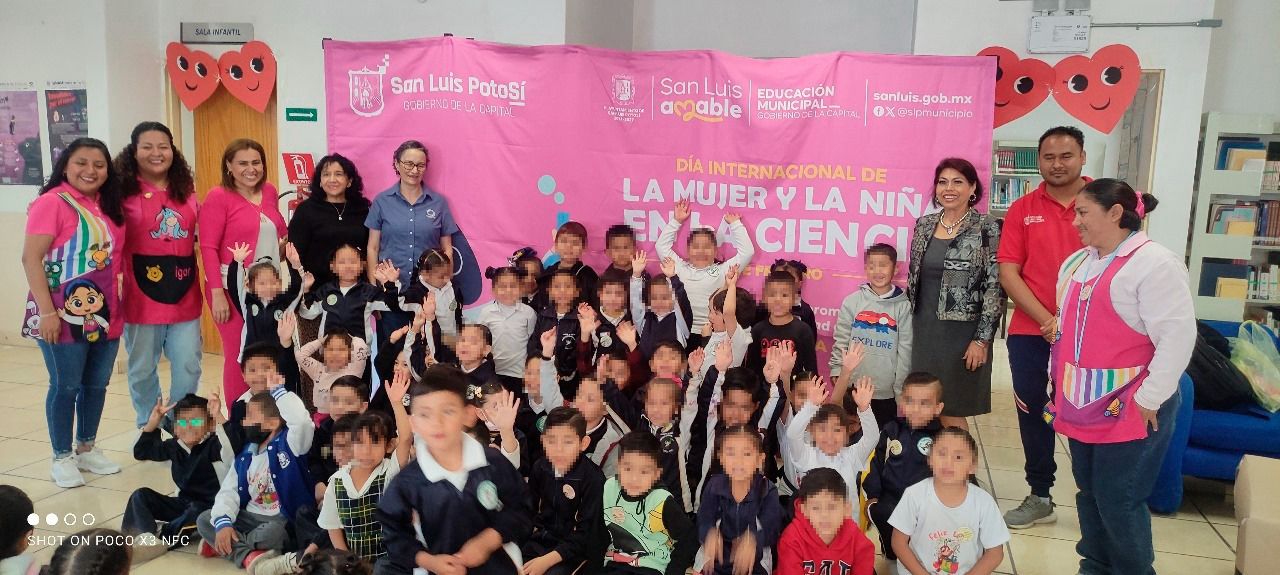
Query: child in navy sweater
[
  {"x": 739, "y": 516},
  {"x": 567, "y": 489},
  {"x": 659, "y": 307},
  {"x": 901, "y": 457},
  {"x": 259, "y": 299},
  {"x": 560, "y": 314},
  {"x": 199, "y": 454},
  {"x": 349, "y": 300},
  {"x": 570, "y": 243},
  {"x": 460, "y": 506}
]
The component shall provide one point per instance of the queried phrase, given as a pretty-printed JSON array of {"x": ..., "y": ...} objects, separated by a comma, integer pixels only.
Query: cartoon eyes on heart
[
  {"x": 249, "y": 74},
  {"x": 1109, "y": 77},
  {"x": 1095, "y": 89},
  {"x": 237, "y": 73}
]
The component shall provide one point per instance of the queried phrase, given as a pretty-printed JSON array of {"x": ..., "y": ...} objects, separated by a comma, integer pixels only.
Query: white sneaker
[
  {"x": 95, "y": 461},
  {"x": 65, "y": 474},
  {"x": 279, "y": 565}
]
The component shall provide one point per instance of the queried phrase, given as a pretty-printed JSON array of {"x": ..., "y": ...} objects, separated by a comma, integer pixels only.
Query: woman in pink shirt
[
  {"x": 161, "y": 294},
  {"x": 71, "y": 256},
  {"x": 243, "y": 209},
  {"x": 1126, "y": 329}
]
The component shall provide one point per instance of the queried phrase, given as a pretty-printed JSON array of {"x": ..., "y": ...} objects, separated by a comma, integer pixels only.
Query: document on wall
[
  {"x": 20, "y": 150},
  {"x": 67, "y": 105}
]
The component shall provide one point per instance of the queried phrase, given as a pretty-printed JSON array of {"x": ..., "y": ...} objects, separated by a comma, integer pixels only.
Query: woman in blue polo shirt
[{"x": 405, "y": 220}]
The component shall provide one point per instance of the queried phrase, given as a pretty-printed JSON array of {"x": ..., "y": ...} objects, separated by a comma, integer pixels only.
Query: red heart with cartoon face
[
  {"x": 193, "y": 73},
  {"x": 250, "y": 74},
  {"x": 1021, "y": 84},
  {"x": 1098, "y": 90}
]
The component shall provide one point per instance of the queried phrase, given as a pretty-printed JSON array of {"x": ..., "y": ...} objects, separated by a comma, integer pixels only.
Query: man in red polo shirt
[{"x": 1038, "y": 236}]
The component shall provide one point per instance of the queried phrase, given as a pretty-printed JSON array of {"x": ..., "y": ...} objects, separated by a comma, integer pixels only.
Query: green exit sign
[{"x": 301, "y": 114}]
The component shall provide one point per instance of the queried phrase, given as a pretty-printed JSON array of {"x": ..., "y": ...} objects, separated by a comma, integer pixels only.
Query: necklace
[
  {"x": 951, "y": 228},
  {"x": 339, "y": 212}
]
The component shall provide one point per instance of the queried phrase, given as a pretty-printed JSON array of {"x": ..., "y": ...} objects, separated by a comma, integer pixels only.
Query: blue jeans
[
  {"x": 1029, "y": 366},
  {"x": 78, "y": 377},
  {"x": 1115, "y": 480},
  {"x": 181, "y": 343}
]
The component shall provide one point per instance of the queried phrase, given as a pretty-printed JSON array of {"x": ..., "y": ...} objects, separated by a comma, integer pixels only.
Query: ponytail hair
[
  {"x": 91, "y": 552},
  {"x": 1108, "y": 192},
  {"x": 494, "y": 274}
]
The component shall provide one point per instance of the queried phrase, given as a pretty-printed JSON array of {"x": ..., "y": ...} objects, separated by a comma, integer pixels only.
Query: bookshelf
[
  {"x": 1235, "y": 237},
  {"x": 1015, "y": 170}
]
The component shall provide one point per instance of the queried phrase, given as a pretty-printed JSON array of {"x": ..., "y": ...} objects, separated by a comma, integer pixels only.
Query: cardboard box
[{"x": 1258, "y": 511}]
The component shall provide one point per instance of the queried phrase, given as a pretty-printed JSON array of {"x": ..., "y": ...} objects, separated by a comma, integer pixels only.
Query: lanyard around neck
[{"x": 1086, "y": 298}]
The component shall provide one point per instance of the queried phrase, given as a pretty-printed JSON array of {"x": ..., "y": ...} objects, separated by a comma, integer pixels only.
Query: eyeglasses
[
  {"x": 189, "y": 422},
  {"x": 412, "y": 167}
]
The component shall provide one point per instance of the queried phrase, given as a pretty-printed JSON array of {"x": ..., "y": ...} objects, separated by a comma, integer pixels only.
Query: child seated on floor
[
  {"x": 946, "y": 524},
  {"x": 198, "y": 454},
  {"x": 268, "y": 483},
  {"x": 568, "y": 491},
  {"x": 822, "y": 538},
  {"x": 462, "y": 506}
]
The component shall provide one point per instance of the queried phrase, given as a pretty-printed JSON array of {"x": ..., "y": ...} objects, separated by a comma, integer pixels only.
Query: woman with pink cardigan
[{"x": 243, "y": 209}]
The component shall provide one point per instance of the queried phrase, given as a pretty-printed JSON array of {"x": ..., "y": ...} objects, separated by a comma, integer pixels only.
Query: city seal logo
[{"x": 364, "y": 89}]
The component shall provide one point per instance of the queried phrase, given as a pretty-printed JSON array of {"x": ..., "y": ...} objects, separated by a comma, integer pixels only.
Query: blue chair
[{"x": 1209, "y": 443}]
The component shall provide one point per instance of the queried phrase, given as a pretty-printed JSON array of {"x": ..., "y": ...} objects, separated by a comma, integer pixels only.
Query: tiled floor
[{"x": 1199, "y": 539}]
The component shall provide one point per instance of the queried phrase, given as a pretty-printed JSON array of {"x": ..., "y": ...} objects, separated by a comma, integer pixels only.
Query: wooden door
[{"x": 219, "y": 120}]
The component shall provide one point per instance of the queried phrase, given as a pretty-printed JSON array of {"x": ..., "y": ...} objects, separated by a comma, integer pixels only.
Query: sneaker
[
  {"x": 146, "y": 547},
  {"x": 65, "y": 474},
  {"x": 95, "y": 461},
  {"x": 255, "y": 558},
  {"x": 282, "y": 565},
  {"x": 207, "y": 550},
  {"x": 1032, "y": 511}
]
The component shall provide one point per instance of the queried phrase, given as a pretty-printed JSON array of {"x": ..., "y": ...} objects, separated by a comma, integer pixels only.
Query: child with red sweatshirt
[{"x": 823, "y": 538}]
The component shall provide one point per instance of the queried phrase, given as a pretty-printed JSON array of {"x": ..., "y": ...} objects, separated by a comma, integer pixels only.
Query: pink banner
[{"x": 822, "y": 155}]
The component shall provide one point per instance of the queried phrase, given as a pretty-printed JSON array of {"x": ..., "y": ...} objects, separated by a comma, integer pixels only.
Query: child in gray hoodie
[{"x": 878, "y": 316}]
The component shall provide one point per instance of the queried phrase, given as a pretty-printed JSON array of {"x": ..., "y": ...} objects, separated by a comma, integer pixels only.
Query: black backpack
[{"x": 1219, "y": 384}]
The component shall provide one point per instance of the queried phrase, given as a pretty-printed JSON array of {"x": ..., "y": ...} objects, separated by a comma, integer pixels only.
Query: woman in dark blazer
[{"x": 954, "y": 286}]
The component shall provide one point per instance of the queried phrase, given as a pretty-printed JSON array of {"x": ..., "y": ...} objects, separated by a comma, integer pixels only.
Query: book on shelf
[
  {"x": 1213, "y": 269},
  {"x": 1232, "y": 288},
  {"x": 1257, "y": 218},
  {"x": 1271, "y": 168},
  {"x": 1006, "y": 190},
  {"x": 1240, "y": 159},
  {"x": 1016, "y": 159},
  {"x": 1227, "y": 144},
  {"x": 1263, "y": 282}
]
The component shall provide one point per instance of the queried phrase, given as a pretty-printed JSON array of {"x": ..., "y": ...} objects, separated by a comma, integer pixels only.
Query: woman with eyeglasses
[{"x": 404, "y": 221}]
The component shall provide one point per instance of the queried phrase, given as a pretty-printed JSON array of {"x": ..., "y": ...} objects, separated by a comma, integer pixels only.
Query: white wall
[
  {"x": 964, "y": 27},
  {"x": 294, "y": 29},
  {"x": 771, "y": 28},
  {"x": 601, "y": 24},
  {"x": 1244, "y": 59},
  {"x": 117, "y": 49}
]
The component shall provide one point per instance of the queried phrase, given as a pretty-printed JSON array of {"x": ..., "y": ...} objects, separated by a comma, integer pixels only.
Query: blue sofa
[{"x": 1210, "y": 444}]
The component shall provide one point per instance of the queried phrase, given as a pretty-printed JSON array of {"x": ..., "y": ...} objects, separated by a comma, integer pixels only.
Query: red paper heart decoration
[
  {"x": 193, "y": 74},
  {"x": 249, "y": 74},
  {"x": 1098, "y": 90},
  {"x": 1021, "y": 84}
]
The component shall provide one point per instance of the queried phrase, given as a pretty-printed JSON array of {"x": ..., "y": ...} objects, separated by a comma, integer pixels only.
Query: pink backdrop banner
[{"x": 822, "y": 155}]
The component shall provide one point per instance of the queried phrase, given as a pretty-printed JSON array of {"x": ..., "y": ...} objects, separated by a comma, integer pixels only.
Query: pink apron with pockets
[
  {"x": 1093, "y": 393},
  {"x": 82, "y": 283}
]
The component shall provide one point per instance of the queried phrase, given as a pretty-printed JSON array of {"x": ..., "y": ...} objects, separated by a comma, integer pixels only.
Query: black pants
[
  {"x": 885, "y": 410},
  {"x": 880, "y": 513},
  {"x": 1028, "y": 364},
  {"x": 146, "y": 507},
  {"x": 534, "y": 548},
  {"x": 307, "y": 530}
]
